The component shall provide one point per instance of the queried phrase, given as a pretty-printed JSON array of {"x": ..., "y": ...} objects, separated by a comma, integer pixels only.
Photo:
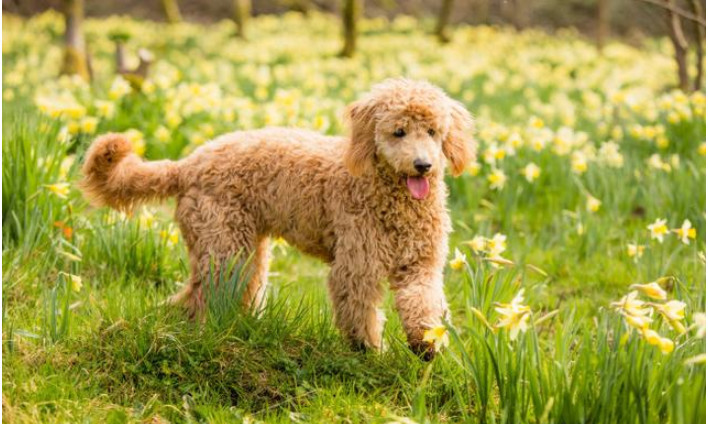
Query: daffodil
[
  {"x": 478, "y": 244},
  {"x": 699, "y": 324},
  {"x": 694, "y": 360},
  {"x": 634, "y": 310},
  {"x": 496, "y": 245},
  {"x": 686, "y": 232},
  {"x": 60, "y": 189},
  {"x": 592, "y": 204},
  {"x": 531, "y": 172},
  {"x": 653, "y": 290},
  {"x": 437, "y": 337},
  {"x": 514, "y": 316},
  {"x": 673, "y": 313},
  {"x": 635, "y": 250},
  {"x": 497, "y": 179},
  {"x": 658, "y": 230},
  {"x": 459, "y": 261},
  {"x": 653, "y": 338}
]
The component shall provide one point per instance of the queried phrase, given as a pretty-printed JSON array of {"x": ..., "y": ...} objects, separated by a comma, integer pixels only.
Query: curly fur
[{"x": 344, "y": 200}]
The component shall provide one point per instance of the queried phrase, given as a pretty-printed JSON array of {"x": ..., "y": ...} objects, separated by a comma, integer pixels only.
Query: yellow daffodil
[
  {"x": 686, "y": 232},
  {"x": 658, "y": 229},
  {"x": 60, "y": 189},
  {"x": 653, "y": 290},
  {"x": 459, "y": 261},
  {"x": 437, "y": 337}
]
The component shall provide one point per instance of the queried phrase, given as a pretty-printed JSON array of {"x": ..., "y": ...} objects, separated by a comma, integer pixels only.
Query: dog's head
[{"x": 412, "y": 127}]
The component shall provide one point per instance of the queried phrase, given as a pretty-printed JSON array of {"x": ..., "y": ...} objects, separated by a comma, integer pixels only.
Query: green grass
[{"x": 111, "y": 351}]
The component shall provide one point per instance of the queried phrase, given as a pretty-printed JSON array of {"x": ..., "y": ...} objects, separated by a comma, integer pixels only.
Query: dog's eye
[
  {"x": 431, "y": 132},
  {"x": 399, "y": 133}
]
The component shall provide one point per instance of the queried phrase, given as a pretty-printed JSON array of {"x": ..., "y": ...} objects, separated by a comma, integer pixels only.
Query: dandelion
[
  {"x": 592, "y": 204},
  {"x": 653, "y": 290},
  {"x": 658, "y": 229},
  {"x": 459, "y": 261},
  {"x": 497, "y": 179},
  {"x": 686, "y": 232},
  {"x": 635, "y": 250},
  {"x": 60, "y": 189},
  {"x": 531, "y": 172},
  {"x": 702, "y": 149},
  {"x": 514, "y": 315},
  {"x": 438, "y": 337}
]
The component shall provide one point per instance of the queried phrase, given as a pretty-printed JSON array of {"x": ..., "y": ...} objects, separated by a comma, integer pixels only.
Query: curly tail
[{"x": 114, "y": 176}]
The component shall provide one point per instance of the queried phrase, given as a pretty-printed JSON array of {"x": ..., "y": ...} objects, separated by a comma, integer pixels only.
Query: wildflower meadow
[{"x": 576, "y": 277}]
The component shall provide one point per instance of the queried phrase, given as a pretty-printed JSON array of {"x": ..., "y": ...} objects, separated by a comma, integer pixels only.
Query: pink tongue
[{"x": 418, "y": 186}]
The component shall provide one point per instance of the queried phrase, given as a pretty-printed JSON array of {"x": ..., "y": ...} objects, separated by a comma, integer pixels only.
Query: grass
[{"x": 107, "y": 349}]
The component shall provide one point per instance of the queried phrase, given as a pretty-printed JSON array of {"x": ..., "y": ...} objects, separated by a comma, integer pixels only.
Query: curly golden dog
[{"x": 372, "y": 205}]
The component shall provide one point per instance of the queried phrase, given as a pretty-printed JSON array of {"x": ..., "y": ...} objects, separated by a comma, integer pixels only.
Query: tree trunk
[
  {"x": 481, "y": 11},
  {"x": 350, "y": 14},
  {"x": 603, "y": 23},
  {"x": 443, "y": 20},
  {"x": 171, "y": 9},
  {"x": 680, "y": 45},
  {"x": 700, "y": 38},
  {"x": 242, "y": 11},
  {"x": 74, "y": 62},
  {"x": 515, "y": 11}
]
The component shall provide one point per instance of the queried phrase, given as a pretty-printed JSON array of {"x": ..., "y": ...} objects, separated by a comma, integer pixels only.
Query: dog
[{"x": 372, "y": 205}]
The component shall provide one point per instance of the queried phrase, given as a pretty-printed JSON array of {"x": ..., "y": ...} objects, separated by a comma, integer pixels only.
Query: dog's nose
[{"x": 422, "y": 166}]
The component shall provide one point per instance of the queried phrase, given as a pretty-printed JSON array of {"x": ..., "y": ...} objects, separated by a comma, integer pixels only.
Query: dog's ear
[
  {"x": 359, "y": 156},
  {"x": 459, "y": 147}
]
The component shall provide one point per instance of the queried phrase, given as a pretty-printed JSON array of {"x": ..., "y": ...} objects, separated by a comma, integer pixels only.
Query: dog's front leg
[
  {"x": 421, "y": 304},
  {"x": 356, "y": 295}
]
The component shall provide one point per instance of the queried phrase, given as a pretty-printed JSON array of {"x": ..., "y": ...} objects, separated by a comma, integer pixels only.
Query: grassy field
[{"x": 590, "y": 184}]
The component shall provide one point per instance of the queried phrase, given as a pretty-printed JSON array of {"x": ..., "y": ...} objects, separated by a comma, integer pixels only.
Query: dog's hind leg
[
  {"x": 227, "y": 258},
  {"x": 254, "y": 295}
]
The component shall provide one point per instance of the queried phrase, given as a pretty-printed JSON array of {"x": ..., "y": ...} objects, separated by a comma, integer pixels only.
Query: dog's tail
[{"x": 115, "y": 176}]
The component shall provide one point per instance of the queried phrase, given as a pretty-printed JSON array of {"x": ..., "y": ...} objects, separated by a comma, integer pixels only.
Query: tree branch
[{"x": 677, "y": 10}]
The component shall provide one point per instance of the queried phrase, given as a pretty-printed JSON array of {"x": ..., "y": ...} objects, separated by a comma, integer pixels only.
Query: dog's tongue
[{"x": 418, "y": 186}]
